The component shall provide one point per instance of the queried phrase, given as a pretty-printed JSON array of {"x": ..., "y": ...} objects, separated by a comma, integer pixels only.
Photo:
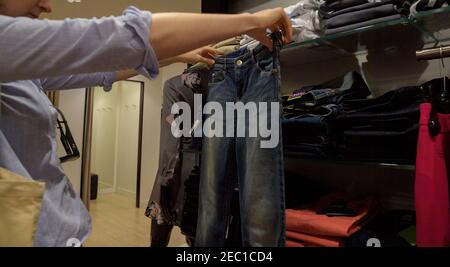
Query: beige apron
[{"x": 20, "y": 206}]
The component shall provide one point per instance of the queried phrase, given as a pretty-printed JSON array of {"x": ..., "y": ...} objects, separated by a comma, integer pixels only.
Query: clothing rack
[{"x": 433, "y": 53}]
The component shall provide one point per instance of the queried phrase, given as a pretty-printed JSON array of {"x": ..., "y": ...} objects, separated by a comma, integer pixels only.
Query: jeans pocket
[
  {"x": 266, "y": 66},
  {"x": 217, "y": 77}
]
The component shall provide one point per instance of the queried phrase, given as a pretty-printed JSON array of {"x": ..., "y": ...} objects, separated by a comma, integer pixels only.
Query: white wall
[
  {"x": 104, "y": 132},
  {"x": 115, "y": 136},
  {"x": 127, "y": 136}
]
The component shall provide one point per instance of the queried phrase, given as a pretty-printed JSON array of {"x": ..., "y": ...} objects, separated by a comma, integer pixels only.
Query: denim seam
[
  {"x": 282, "y": 241},
  {"x": 229, "y": 198}
]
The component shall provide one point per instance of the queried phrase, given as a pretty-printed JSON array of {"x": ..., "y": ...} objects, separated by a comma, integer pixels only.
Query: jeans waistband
[{"x": 243, "y": 57}]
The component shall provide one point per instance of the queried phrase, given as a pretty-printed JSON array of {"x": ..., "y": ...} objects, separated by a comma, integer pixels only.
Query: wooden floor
[{"x": 117, "y": 223}]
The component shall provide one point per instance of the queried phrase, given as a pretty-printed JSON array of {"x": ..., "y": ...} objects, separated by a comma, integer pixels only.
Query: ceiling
[{"x": 98, "y": 8}]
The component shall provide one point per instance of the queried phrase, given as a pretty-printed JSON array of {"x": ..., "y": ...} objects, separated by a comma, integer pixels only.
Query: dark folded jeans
[
  {"x": 308, "y": 124},
  {"x": 362, "y": 24},
  {"x": 391, "y": 135},
  {"x": 308, "y": 135},
  {"x": 361, "y": 16},
  {"x": 308, "y": 150},
  {"x": 397, "y": 120},
  {"x": 392, "y": 100},
  {"x": 310, "y": 129},
  {"x": 392, "y": 146},
  {"x": 336, "y": 5},
  {"x": 363, "y": 6},
  {"x": 424, "y": 5},
  {"x": 384, "y": 128},
  {"x": 352, "y": 86}
]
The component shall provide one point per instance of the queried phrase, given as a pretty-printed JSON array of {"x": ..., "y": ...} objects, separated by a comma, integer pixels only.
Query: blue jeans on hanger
[{"x": 244, "y": 76}]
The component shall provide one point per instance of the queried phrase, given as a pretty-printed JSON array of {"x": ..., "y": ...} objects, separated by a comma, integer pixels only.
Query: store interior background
[
  {"x": 116, "y": 220},
  {"x": 307, "y": 68},
  {"x": 115, "y": 137}
]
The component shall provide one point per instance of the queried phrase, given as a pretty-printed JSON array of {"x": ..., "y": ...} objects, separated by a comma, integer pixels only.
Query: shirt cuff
[
  {"x": 108, "y": 79},
  {"x": 141, "y": 22}
]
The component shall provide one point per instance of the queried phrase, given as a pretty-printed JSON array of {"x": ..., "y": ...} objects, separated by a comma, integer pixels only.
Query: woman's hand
[
  {"x": 205, "y": 55},
  {"x": 274, "y": 19}
]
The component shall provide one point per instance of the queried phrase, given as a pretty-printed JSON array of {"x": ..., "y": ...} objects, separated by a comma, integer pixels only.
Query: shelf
[
  {"x": 426, "y": 27},
  {"x": 324, "y": 162},
  {"x": 428, "y": 18},
  {"x": 330, "y": 37}
]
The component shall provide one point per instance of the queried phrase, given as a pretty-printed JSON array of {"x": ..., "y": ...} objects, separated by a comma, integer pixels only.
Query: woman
[{"x": 42, "y": 54}]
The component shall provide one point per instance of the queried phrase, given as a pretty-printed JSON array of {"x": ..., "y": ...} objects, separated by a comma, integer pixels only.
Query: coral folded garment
[
  {"x": 320, "y": 241},
  {"x": 299, "y": 244},
  {"x": 309, "y": 220},
  {"x": 294, "y": 244}
]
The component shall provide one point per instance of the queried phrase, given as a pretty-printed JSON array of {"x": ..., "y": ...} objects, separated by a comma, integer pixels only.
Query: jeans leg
[
  {"x": 215, "y": 193},
  {"x": 260, "y": 169},
  {"x": 160, "y": 234},
  {"x": 216, "y": 188},
  {"x": 261, "y": 185}
]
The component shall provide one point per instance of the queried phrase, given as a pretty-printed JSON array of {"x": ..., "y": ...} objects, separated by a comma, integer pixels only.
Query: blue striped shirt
[{"x": 39, "y": 55}]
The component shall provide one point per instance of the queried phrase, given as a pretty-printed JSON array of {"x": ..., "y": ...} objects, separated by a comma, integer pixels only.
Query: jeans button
[{"x": 239, "y": 63}]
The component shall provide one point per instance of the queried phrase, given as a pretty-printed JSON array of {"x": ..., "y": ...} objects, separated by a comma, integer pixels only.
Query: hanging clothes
[
  {"x": 248, "y": 75},
  {"x": 432, "y": 182}
]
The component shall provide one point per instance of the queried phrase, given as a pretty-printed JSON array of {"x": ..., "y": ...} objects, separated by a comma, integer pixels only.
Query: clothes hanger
[
  {"x": 444, "y": 96},
  {"x": 437, "y": 94}
]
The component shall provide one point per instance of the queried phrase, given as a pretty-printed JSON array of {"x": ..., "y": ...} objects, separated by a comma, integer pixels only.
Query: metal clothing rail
[{"x": 433, "y": 53}]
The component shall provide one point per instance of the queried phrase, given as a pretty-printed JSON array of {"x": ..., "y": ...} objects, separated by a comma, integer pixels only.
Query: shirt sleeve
[
  {"x": 34, "y": 49},
  {"x": 105, "y": 80}
]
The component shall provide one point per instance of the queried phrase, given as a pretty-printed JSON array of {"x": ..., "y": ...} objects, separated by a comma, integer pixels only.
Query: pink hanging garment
[{"x": 432, "y": 182}]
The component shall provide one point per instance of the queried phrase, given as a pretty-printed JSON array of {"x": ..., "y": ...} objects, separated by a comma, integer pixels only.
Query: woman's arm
[
  {"x": 106, "y": 79},
  {"x": 204, "y": 55},
  {"x": 35, "y": 49},
  {"x": 175, "y": 33}
]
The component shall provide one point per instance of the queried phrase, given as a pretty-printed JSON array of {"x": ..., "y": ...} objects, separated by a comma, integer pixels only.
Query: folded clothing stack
[
  {"x": 424, "y": 5},
  {"x": 328, "y": 222},
  {"x": 380, "y": 129},
  {"x": 311, "y": 111},
  {"x": 345, "y": 15},
  {"x": 306, "y": 20},
  {"x": 391, "y": 228}
]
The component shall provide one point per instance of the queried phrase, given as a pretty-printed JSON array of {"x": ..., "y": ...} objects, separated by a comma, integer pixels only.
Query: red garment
[
  {"x": 432, "y": 185},
  {"x": 299, "y": 244},
  {"x": 320, "y": 241},
  {"x": 308, "y": 220},
  {"x": 294, "y": 244}
]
